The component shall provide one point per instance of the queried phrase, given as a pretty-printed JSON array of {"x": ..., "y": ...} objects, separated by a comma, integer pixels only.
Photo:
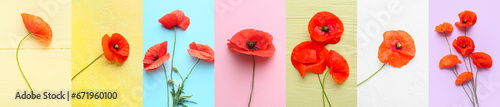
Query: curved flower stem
[
  {"x": 465, "y": 62},
  {"x": 449, "y": 47},
  {"x": 323, "y": 92},
  {"x": 372, "y": 75},
  {"x": 456, "y": 75},
  {"x": 191, "y": 70},
  {"x": 475, "y": 82},
  {"x": 86, "y": 66},
  {"x": 18, "y": 65},
  {"x": 465, "y": 31},
  {"x": 173, "y": 53},
  {"x": 323, "y": 83},
  {"x": 253, "y": 79},
  {"x": 168, "y": 95}
]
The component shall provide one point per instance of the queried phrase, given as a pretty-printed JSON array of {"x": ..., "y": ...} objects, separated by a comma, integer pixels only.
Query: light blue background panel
[{"x": 200, "y": 83}]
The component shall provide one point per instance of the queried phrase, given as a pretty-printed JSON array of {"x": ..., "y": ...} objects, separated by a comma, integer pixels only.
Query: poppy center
[
  {"x": 325, "y": 28},
  {"x": 156, "y": 58},
  {"x": 464, "y": 22},
  {"x": 398, "y": 45},
  {"x": 115, "y": 46},
  {"x": 463, "y": 46},
  {"x": 251, "y": 45}
]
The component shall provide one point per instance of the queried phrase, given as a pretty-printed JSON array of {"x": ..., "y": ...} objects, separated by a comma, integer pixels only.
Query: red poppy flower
[
  {"x": 464, "y": 45},
  {"x": 309, "y": 56},
  {"x": 115, "y": 48},
  {"x": 467, "y": 18},
  {"x": 445, "y": 27},
  {"x": 481, "y": 60},
  {"x": 39, "y": 27},
  {"x": 201, "y": 51},
  {"x": 173, "y": 19},
  {"x": 155, "y": 56},
  {"x": 464, "y": 77},
  {"x": 449, "y": 61},
  {"x": 397, "y": 49},
  {"x": 252, "y": 42},
  {"x": 339, "y": 69},
  {"x": 324, "y": 27}
]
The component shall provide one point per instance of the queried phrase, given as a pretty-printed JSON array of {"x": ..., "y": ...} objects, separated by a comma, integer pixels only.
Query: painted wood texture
[
  {"x": 45, "y": 67},
  {"x": 307, "y": 91},
  {"x": 91, "y": 20}
]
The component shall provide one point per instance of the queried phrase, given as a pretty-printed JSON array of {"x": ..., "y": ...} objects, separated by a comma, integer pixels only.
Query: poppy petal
[
  {"x": 464, "y": 45},
  {"x": 464, "y": 77},
  {"x": 38, "y": 27},
  {"x": 155, "y": 56},
  {"x": 389, "y": 51},
  {"x": 115, "y": 48},
  {"x": 302, "y": 57},
  {"x": 175, "y": 18},
  {"x": 339, "y": 69},
  {"x": 449, "y": 61},
  {"x": 325, "y": 27},
  {"x": 481, "y": 60},
  {"x": 263, "y": 46},
  {"x": 445, "y": 27},
  {"x": 201, "y": 51}
]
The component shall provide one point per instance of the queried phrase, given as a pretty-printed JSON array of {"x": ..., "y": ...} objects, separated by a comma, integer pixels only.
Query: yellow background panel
[
  {"x": 46, "y": 67},
  {"x": 90, "y": 21}
]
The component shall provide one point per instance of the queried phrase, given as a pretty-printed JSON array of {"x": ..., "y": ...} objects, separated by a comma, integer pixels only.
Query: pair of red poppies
[
  {"x": 312, "y": 56},
  {"x": 157, "y": 54}
]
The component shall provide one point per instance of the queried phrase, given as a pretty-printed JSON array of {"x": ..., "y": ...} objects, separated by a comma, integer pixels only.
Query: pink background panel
[{"x": 233, "y": 71}]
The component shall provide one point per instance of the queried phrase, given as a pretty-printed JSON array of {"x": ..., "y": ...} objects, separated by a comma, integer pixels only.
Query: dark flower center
[
  {"x": 464, "y": 22},
  {"x": 156, "y": 58},
  {"x": 325, "y": 28},
  {"x": 116, "y": 47},
  {"x": 463, "y": 46},
  {"x": 398, "y": 45},
  {"x": 251, "y": 45}
]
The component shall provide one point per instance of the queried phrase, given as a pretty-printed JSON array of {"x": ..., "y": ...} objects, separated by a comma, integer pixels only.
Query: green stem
[
  {"x": 18, "y": 65},
  {"x": 465, "y": 31},
  {"x": 191, "y": 71},
  {"x": 449, "y": 47},
  {"x": 465, "y": 62},
  {"x": 253, "y": 79},
  {"x": 323, "y": 83},
  {"x": 173, "y": 53},
  {"x": 456, "y": 75},
  {"x": 86, "y": 66},
  {"x": 323, "y": 92},
  {"x": 475, "y": 82},
  {"x": 372, "y": 75},
  {"x": 166, "y": 78}
]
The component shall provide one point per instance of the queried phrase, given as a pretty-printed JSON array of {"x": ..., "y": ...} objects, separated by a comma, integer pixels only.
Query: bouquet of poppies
[
  {"x": 157, "y": 55},
  {"x": 465, "y": 46},
  {"x": 312, "y": 56}
]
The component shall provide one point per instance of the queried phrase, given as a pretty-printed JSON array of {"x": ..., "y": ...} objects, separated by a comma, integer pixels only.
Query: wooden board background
[
  {"x": 46, "y": 67},
  {"x": 306, "y": 91}
]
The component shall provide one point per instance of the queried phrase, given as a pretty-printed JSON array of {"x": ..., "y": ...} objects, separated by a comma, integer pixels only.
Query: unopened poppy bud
[
  {"x": 175, "y": 69},
  {"x": 171, "y": 82}
]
